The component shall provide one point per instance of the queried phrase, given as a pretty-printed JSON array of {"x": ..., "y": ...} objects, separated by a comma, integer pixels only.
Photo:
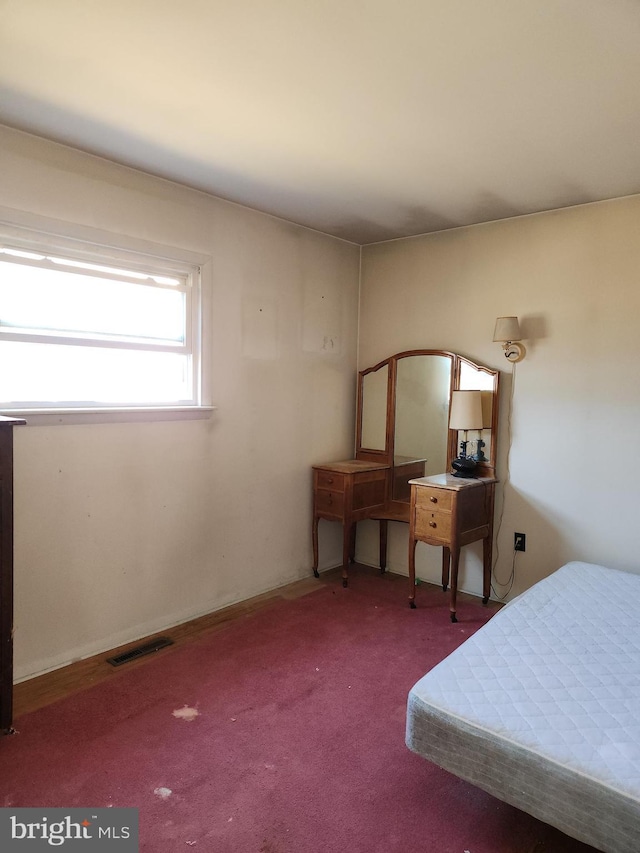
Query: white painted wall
[
  {"x": 573, "y": 278},
  {"x": 122, "y": 529}
]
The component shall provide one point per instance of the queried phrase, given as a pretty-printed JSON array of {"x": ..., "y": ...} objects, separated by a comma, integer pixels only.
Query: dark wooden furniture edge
[{"x": 6, "y": 571}]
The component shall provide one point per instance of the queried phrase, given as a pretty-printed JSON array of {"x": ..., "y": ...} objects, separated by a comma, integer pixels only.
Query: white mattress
[{"x": 553, "y": 679}]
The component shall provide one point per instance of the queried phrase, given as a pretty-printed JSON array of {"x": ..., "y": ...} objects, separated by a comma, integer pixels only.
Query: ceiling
[{"x": 365, "y": 119}]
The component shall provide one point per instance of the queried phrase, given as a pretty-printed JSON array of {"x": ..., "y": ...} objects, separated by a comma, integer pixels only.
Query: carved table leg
[
  {"x": 314, "y": 537},
  {"x": 486, "y": 568},
  {"x": 455, "y": 560},
  {"x": 383, "y": 545},
  {"x": 412, "y": 572},
  {"x": 348, "y": 543},
  {"x": 446, "y": 560},
  {"x": 352, "y": 543}
]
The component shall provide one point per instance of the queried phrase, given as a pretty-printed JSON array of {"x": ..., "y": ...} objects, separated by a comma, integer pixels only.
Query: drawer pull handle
[
  {"x": 330, "y": 480},
  {"x": 433, "y": 500},
  {"x": 432, "y": 524}
]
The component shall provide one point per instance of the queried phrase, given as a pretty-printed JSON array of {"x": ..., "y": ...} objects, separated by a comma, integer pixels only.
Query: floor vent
[{"x": 139, "y": 651}]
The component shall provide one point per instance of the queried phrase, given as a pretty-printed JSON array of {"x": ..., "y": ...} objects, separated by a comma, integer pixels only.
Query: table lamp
[{"x": 465, "y": 414}]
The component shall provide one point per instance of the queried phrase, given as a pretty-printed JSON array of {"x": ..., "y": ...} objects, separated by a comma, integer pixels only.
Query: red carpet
[{"x": 297, "y": 745}]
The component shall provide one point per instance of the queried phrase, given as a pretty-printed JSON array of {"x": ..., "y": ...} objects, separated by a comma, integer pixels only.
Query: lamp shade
[
  {"x": 487, "y": 409},
  {"x": 466, "y": 410},
  {"x": 507, "y": 329}
]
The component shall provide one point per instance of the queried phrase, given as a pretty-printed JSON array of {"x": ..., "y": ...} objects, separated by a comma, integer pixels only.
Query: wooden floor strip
[
  {"x": 44, "y": 689},
  {"x": 41, "y": 691}
]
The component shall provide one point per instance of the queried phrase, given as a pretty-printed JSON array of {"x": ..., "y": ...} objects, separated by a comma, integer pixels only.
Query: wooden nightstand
[
  {"x": 451, "y": 512},
  {"x": 347, "y": 492}
]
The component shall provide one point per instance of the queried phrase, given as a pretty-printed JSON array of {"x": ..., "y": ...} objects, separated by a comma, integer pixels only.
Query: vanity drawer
[
  {"x": 432, "y": 525},
  {"x": 330, "y": 480},
  {"x": 431, "y": 498},
  {"x": 329, "y": 503}
]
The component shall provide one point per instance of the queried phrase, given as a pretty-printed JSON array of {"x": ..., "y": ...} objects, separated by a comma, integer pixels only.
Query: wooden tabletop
[
  {"x": 448, "y": 481},
  {"x": 351, "y": 466}
]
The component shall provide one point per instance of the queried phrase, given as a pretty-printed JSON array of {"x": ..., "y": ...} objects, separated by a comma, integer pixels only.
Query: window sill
[{"x": 131, "y": 414}]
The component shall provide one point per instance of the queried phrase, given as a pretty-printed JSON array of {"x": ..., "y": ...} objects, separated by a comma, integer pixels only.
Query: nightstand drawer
[
  {"x": 432, "y": 525},
  {"x": 330, "y": 480},
  {"x": 434, "y": 499},
  {"x": 329, "y": 503}
]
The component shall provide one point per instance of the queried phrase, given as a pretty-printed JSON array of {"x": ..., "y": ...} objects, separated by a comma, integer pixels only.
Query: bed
[{"x": 541, "y": 706}]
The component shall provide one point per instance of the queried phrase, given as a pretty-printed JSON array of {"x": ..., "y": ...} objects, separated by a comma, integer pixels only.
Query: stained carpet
[{"x": 281, "y": 733}]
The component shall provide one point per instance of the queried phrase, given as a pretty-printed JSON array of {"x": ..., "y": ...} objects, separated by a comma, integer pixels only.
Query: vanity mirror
[
  {"x": 402, "y": 433},
  {"x": 403, "y": 414}
]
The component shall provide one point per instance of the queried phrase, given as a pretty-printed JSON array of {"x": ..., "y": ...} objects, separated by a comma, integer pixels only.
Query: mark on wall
[
  {"x": 259, "y": 328},
  {"x": 322, "y": 322}
]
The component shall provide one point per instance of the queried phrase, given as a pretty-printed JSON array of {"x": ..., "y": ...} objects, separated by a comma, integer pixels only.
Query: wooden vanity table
[
  {"x": 403, "y": 436},
  {"x": 347, "y": 492},
  {"x": 451, "y": 512}
]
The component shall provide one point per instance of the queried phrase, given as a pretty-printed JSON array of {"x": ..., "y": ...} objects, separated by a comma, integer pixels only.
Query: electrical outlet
[{"x": 519, "y": 542}]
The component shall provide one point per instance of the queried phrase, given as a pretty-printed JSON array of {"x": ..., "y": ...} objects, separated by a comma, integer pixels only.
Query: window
[{"x": 90, "y": 327}]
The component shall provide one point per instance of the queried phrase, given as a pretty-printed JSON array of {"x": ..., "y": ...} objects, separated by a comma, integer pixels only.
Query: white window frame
[{"x": 31, "y": 233}]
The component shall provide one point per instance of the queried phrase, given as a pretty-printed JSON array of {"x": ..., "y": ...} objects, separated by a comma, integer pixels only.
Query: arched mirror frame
[
  {"x": 488, "y": 468},
  {"x": 386, "y": 455}
]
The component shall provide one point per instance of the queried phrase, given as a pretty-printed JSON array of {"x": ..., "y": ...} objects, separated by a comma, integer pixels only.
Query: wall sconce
[
  {"x": 507, "y": 332},
  {"x": 465, "y": 414}
]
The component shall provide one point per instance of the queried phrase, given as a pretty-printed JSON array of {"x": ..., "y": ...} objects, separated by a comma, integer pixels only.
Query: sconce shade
[
  {"x": 466, "y": 410},
  {"x": 507, "y": 329}
]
